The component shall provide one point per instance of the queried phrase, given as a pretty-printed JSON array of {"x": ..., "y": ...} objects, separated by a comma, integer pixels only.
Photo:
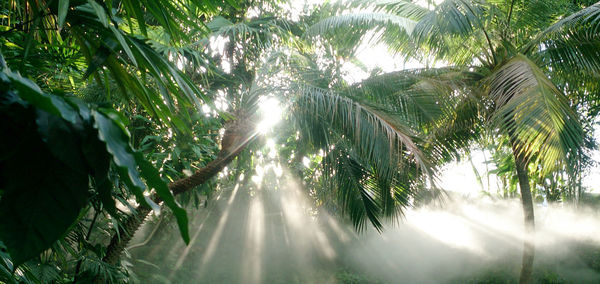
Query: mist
[{"x": 255, "y": 234}]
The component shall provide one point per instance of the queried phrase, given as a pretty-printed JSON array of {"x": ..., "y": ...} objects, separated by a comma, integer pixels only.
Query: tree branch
[{"x": 237, "y": 136}]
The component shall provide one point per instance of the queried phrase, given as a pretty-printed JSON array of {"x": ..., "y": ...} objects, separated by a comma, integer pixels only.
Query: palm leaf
[
  {"x": 536, "y": 115},
  {"x": 576, "y": 51},
  {"x": 361, "y": 20},
  {"x": 588, "y": 18},
  {"x": 451, "y": 17},
  {"x": 377, "y": 135}
]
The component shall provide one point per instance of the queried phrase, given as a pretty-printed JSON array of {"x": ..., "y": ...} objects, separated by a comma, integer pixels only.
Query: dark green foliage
[
  {"x": 44, "y": 191},
  {"x": 40, "y": 199}
]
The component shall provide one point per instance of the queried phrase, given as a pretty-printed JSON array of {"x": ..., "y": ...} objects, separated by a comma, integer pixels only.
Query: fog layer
[{"x": 250, "y": 234}]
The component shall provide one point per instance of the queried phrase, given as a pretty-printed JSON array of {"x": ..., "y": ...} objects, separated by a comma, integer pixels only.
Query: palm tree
[
  {"x": 378, "y": 137},
  {"x": 375, "y": 164},
  {"x": 525, "y": 55},
  {"x": 366, "y": 143}
]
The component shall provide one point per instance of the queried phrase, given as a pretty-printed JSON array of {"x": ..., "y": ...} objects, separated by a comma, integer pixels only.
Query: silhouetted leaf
[{"x": 42, "y": 195}]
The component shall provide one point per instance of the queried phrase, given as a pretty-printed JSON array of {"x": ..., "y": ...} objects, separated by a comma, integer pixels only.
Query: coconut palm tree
[
  {"x": 375, "y": 164},
  {"x": 378, "y": 137},
  {"x": 532, "y": 60},
  {"x": 376, "y": 161}
]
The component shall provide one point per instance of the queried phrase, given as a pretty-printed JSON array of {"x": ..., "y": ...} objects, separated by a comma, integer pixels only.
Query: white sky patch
[
  {"x": 217, "y": 45},
  {"x": 377, "y": 56},
  {"x": 460, "y": 176},
  {"x": 592, "y": 179},
  {"x": 306, "y": 162},
  {"x": 298, "y": 8}
]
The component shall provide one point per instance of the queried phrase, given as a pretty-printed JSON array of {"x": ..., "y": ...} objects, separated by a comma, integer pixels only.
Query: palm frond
[
  {"x": 439, "y": 102},
  {"x": 373, "y": 159},
  {"x": 403, "y": 8},
  {"x": 261, "y": 31},
  {"x": 362, "y": 194},
  {"x": 451, "y": 17},
  {"x": 354, "y": 189},
  {"x": 588, "y": 18},
  {"x": 536, "y": 115},
  {"x": 378, "y": 135},
  {"x": 576, "y": 51},
  {"x": 104, "y": 48},
  {"x": 363, "y": 21},
  {"x": 422, "y": 95}
]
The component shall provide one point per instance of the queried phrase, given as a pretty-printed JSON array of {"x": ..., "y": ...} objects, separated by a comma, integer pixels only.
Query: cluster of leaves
[
  {"x": 381, "y": 140},
  {"x": 534, "y": 67},
  {"x": 55, "y": 163}
]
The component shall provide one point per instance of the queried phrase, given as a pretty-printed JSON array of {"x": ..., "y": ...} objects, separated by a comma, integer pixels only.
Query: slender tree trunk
[
  {"x": 237, "y": 136},
  {"x": 527, "y": 201}
]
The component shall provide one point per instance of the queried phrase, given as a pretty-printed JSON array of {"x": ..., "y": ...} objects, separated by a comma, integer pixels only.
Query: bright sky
[{"x": 592, "y": 180}]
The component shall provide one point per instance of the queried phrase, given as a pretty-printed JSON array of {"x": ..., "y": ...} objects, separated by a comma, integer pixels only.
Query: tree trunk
[
  {"x": 237, "y": 135},
  {"x": 527, "y": 201}
]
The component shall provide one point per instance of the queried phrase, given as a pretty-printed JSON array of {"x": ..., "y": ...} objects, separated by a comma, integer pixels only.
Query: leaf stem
[
  {"x": 510, "y": 11},
  {"x": 87, "y": 237}
]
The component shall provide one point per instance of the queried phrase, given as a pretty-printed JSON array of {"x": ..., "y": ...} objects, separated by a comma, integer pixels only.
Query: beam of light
[
  {"x": 559, "y": 223},
  {"x": 187, "y": 249},
  {"x": 271, "y": 113},
  {"x": 255, "y": 236},
  {"x": 500, "y": 224},
  {"x": 258, "y": 177},
  {"x": 446, "y": 228},
  {"x": 294, "y": 205},
  {"x": 216, "y": 237},
  {"x": 343, "y": 235}
]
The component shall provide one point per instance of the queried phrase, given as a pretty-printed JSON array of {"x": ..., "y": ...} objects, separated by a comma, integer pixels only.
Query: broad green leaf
[
  {"x": 63, "y": 8},
  {"x": 117, "y": 145},
  {"x": 100, "y": 13},
  {"x": 35, "y": 212},
  {"x": 62, "y": 141},
  {"x": 98, "y": 160},
  {"x": 152, "y": 177}
]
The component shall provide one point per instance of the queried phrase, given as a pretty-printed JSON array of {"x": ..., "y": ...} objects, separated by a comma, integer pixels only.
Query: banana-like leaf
[
  {"x": 63, "y": 8},
  {"x": 42, "y": 191}
]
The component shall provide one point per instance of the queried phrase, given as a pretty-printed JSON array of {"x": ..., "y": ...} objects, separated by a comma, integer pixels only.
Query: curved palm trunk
[
  {"x": 237, "y": 136},
  {"x": 527, "y": 201}
]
